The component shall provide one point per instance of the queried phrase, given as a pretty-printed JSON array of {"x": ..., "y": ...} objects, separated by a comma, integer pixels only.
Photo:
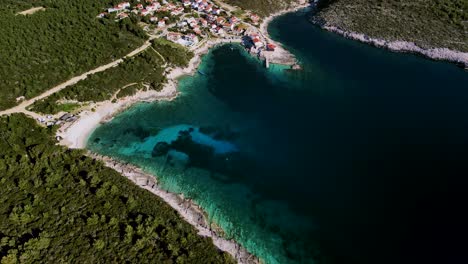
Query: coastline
[
  {"x": 440, "y": 54},
  {"x": 75, "y": 135},
  {"x": 187, "y": 209},
  {"x": 281, "y": 55},
  {"x": 294, "y": 7}
]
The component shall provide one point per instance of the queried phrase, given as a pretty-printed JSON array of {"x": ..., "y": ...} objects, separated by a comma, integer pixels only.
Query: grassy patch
[{"x": 130, "y": 90}]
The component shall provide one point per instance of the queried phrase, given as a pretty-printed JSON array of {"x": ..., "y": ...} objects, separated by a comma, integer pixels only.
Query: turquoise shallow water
[{"x": 341, "y": 162}]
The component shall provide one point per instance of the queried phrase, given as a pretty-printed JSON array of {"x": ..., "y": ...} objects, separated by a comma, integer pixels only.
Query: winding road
[{"x": 22, "y": 107}]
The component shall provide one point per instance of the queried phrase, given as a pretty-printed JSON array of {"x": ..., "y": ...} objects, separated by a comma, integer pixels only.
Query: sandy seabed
[{"x": 76, "y": 134}]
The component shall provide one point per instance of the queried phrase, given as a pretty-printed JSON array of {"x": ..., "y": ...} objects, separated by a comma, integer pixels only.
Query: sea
[{"x": 360, "y": 157}]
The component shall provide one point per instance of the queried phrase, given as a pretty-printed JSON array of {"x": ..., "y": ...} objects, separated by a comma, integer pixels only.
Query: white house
[{"x": 145, "y": 12}]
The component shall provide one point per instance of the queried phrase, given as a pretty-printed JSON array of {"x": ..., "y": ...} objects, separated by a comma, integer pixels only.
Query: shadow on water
[{"x": 359, "y": 158}]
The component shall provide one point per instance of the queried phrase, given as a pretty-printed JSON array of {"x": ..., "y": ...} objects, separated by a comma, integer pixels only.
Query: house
[
  {"x": 145, "y": 12},
  {"x": 151, "y": 8},
  {"x": 177, "y": 11},
  {"x": 203, "y": 22},
  {"x": 113, "y": 9},
  {"x": 257, "y": 43},
  {"x": 123, "y": 5},
  {"x": 102, "y": 15},
  {"x": 173, "y": 36},
  {"x": 192, "y": 37},
  {"x": 191, "y": 20},
  {"x": 187, "y": 3},
  {"x": 161, "y": 23},
  {"x": 139, "y": 6},
  {"x": 188, "y": 40},
  {"x": 182, "y": 24},
  {"x": 155, "y": 5},
  {"x": 255, "y": 18},
  {"x": 239, "y": 30},
  {"x": 220, "y": 20},
  {"x": 211, "y": 18},
  {"x": 122, "y": 15},
  {"x": 228, "y": 26},
  {"x": 197, "y": 30},
  {"x": 234, "y": 20},
  {"x": 220, "y": 30},
  {"x": 153, "y": 19},
  {"x": 216, "y": 11},
  {"x": 271, "y": 47},
  {"x": 118, "y": 8}
]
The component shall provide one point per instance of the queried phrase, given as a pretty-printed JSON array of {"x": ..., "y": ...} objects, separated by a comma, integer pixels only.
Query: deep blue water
[{"x": 358, "y": 158}]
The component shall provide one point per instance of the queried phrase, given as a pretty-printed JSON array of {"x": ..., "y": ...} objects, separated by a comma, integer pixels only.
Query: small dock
[{"x": 267, "y": 63}]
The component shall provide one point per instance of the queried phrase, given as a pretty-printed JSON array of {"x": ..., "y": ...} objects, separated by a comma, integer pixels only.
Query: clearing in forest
[{"x": 31, "y": 11}]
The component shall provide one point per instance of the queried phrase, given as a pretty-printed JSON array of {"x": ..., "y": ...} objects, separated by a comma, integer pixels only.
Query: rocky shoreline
[
  {"x": 441, "y": 54},
  {"x": 188, "y": 209},
  {"x": 75, "y": 136}
]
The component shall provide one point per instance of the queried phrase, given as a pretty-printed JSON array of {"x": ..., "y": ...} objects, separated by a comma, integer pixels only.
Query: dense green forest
[
  {"x": 125, "y": 79},
  {"x": 143, "y": 68},
  {"x": 42, "y": 50},
  {"x": 437, "y": 23},
  {"x": 59, "y": 206}
]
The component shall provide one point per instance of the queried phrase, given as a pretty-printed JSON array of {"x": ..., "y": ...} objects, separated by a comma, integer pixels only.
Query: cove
[{"x": 358, "y": 158}]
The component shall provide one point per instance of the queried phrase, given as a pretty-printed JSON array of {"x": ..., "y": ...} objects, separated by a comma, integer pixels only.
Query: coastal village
[
  {"x": 64, "y": 204},
  {"x": 191, "y": 23},
  {"x": 196, "y": 25}
]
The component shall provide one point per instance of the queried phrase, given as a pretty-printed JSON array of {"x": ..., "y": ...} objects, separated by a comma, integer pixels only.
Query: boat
[{"x": 200, "y": 72}]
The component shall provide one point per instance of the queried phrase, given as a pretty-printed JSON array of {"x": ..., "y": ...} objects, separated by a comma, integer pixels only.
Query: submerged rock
[
  {"x": 161, "y": 148},
  {"x": 177, "y": 159}
]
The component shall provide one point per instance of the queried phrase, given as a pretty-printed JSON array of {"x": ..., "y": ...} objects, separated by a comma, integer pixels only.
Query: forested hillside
[
  {"x": 58, "y": 206},
  {"x": 44, "y": 49},
  {"x": 145, "y": 68},
  {"x": 139, "y": 72},
  {"x": 262, "y": 7},
  {"x": 436, "y": 23}
]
